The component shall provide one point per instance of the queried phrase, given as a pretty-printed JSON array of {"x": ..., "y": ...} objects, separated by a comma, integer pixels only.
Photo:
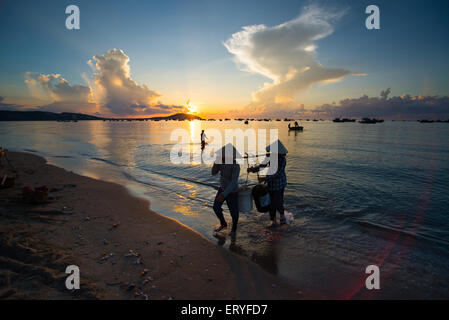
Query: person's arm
[
  {"x": 265, "y": 163},
  {"x": 234, "y": 181},
  {"x": 281, "y": 167},
  {"x": 215, "y": 169}
]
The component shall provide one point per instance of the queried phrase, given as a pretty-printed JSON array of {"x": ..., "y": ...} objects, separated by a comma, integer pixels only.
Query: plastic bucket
[
  {"x": 245, "y": 200},
  {"x": 261, "y": 198}
]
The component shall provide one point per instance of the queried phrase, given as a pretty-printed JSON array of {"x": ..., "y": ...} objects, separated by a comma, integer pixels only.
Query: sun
[{"x": 193, "y": 109}]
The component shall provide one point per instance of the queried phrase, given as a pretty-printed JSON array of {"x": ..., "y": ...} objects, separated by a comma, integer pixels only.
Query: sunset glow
[
  {"x": 305, "y": 61},
  {"x": 224, "y": 150}
]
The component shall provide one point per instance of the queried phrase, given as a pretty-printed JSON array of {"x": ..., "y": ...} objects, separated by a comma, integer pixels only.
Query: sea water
[{"x": 357, "y": 195}]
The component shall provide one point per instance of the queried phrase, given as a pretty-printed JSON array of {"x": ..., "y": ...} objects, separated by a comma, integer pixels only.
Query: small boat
[
  {"x": 295, "y": 128},
  {"x": 371, "y": 121},
  {"x": 246, "y": 121},
  {"x": 343, "y": 120}
]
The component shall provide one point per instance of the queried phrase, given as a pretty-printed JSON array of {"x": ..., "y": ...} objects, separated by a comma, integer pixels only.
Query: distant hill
[
  {"x": 178, "y": 116},
  {"x": 7, "y": 115}
]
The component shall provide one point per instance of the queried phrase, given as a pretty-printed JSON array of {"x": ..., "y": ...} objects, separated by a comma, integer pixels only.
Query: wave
[
  {"x": 401, "y": 232},
  {"x": 108, "y": 162},
  {"x": 165, "y": 189},
  {"x": 180, "y": 178},
  {"x": 63, "y": 157},
  {"x": 31, "y": 150}
]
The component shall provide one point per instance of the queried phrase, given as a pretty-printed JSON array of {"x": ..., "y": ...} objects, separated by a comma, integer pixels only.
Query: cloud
[
  {"x": 114, "y": 88},
  {"x": 397, "y": 107},
  {"x": 8, "y": 106},
  {"x": 63, "y": 96},
  {"x": 110, "y": 91},
  {"x": 276, "y": 110},
  {"x": 158, "y": 108},
  {"x": 286, "y": 54},
  {"x": 384, "y": 94}
]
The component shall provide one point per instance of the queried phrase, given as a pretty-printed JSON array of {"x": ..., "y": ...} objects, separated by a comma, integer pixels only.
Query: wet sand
[{"x": 123, "y": 249}]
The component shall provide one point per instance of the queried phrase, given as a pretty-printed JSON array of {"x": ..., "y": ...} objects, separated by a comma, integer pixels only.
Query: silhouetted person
[
  {"x": 203, "y": 140},
  {"x": 229, "y": 185},
  {"x": 276, "y": 182}
]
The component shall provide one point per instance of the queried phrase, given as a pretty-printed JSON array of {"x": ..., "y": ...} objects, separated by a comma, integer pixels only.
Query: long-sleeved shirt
[
  {"x": 229, "y": 177},
  {"x": 278, "y": 180}
]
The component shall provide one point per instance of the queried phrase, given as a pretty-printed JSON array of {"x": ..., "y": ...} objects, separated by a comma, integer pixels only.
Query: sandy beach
[{"x": 123, "y": 249}]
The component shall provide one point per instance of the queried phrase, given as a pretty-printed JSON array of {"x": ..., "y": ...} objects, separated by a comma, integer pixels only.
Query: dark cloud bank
[{"x": 397, "y": 107}]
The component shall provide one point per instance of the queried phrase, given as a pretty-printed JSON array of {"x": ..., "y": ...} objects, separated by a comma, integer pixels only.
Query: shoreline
[{"x": 94, "y": 224}]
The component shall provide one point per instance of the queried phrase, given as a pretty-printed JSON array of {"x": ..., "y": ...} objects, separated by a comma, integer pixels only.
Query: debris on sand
[
  {"x": 130, "y": 286},
  {"x": 115, "y": 226},
  {"x": 35, "y": 195},
  {"x": 106, "y": 256},
  {"x": 144, "y": 272},
  {"x": 132, "y": 253}
]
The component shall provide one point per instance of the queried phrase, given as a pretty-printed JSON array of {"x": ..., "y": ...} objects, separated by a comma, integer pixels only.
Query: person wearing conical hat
[
  {"x": 225, "y": 164},
  {"x": 276, "y": 182}
]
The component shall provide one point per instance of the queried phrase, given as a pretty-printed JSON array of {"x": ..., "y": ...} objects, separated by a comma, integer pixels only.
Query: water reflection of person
[
  {"x": 229, "y": 174},
  {"x": 275, "y": 182},
  {"x": 295, "y": 133}
]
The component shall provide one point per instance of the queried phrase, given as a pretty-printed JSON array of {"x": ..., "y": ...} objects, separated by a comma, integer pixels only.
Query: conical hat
[
  {"x": 277, "y": 147},
  {"x": 222, "y": 152}
]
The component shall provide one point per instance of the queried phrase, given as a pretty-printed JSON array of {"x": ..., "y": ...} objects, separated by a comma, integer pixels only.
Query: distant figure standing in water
[
  {"x": 229, "y": 186},
  {"x": 276, "y": 182},
  {"x": 203, "y": 140}
]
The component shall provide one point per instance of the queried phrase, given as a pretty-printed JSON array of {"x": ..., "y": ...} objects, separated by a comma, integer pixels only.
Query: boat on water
[
  {"x": 371, "y": 121},
  {"x": 426, "y": 121},
  {"x": 296, "y": 127},
  {"x": 343, "y": 120}
]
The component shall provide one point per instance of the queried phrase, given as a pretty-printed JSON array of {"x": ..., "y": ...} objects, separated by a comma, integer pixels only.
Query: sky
[{"x": 226, "y": 58}]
